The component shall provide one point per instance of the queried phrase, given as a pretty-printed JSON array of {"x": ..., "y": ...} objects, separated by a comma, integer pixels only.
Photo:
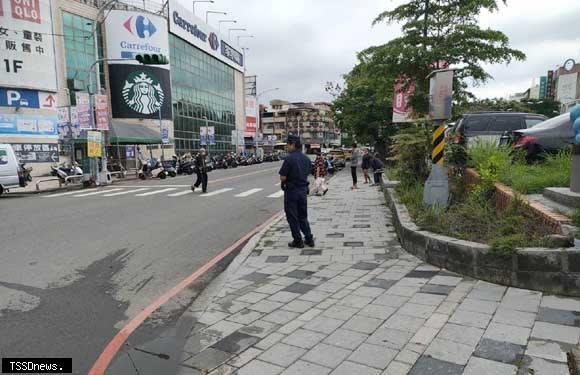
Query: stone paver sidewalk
[{"x": 358, "y": 304}]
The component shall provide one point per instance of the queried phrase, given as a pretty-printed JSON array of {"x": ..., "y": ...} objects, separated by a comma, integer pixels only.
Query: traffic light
[{"x": 156, "y": 59}]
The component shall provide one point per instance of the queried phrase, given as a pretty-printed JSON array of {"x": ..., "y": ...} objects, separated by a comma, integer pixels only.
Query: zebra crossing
[{"x": 165, "y": 191}]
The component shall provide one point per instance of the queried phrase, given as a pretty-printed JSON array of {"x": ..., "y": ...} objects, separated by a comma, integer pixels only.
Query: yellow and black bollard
[{"x": 437, "y": 154}]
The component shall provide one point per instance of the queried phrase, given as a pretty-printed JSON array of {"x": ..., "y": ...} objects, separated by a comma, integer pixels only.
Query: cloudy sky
[{"x": 301, "y": 44}]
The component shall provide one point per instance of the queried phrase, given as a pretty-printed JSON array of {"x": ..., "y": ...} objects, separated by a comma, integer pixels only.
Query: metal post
[{"x": 161, "y": 130}]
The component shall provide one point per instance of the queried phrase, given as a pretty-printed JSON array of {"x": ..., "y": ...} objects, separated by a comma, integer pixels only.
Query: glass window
[
  {"x": 476, "y": 124},
  {"x": 531, "y": 122},
  {"x": 506, "y": 123}
]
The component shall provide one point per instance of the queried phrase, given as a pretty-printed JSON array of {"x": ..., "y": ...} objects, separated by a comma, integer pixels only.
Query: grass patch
[{"x": 474, "y": 219}]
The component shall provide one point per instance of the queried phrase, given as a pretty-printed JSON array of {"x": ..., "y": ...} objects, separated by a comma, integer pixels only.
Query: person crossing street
[
  {"x": 294, "y": 181},
  {"x": 201, "y": 171}
]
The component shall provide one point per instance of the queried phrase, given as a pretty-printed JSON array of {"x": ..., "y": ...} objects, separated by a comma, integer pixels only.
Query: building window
[{"x": 202, "y": 87}]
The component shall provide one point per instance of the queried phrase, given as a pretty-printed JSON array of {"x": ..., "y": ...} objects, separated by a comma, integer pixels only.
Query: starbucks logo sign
[{"x": 143, "y": 93}]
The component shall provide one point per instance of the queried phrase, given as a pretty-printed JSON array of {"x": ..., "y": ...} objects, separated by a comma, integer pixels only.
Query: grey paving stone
[
  {"x": 346, "y": 339},
  {"x": 245, "y": 317},
  {"x": 391, "y": 338},
  {"x": 378, "y": 311},
  {"x": 522, "y": 300},
  {"x": 480, "y": 366},
  {"x": 514, "y": 317},
  {"x": 547, "y": 350},
  {"x": 309, "y": 315},
  {"x": 208, "y": 360},
  {"x": 211, "y": 317},
  {"x": 265, "y": 306},
  {"x": 397, "y": 368},
  {"x": 509, "y": 333},
  {"x": 259, "y": 328},
  {"x": 436, "y": 289},
  {"x": 223, "y": 370},
  {"x": 408, "y": 356},
  {"x": 330, "y": 287},
  {"x": 470, "y": 318},
  {"x": 305, "y": 368},
  {"x": 477, "y": 305},
  {"x": 424, "y": 335},
  {"x": 405, "y": 291},
  {"x": 534, "y": 365},
  {"x": 350, "y": 368},
  {"x": 298, "y": 274},
  {"x": 311, "y": 252},
  {"x": 298, "y": 306},
  {"x": 462, "y": 334},
  {"x": 390, "y": 300},
  {"x": 323, "y": 324},
  {"x": 353, "y": 244},
  {"x": 270, "y": 340},
  {"x": 404, "y": 322},
  {"x": 499, "y": 351},
  {"x": 563, "y": 317},
  {"x": 556, "y": 332},
  {"x": 244, "y": 357},
  {"x": 427, "y": 299},
  {"x": 257, "y": 367},
  {"x": 340, "y": 312},
  {"x": 422, "y": 274},
  {"x": 276, "y": 259},
  {"x": 327, "y": 355},
  {"x": 561, "y": 303},
  {"x": 445, "y": 280},
  {"x": 269, "y": 289},
  {"x": 365, "y": 291},
  {"x": 255, "y": 277},
  {"x": 362, "y": 324},
  {"x": 304, "y": 338},
  {"x": 252, "y": 297},
  {"x": 488, "y": 292},
  {"x": 433, "y": 366},
  {"x": 282, "y": 354},
  {"x": 368, "y": 266},
  {"x": 299, "y": 288},
  {"x": 416, "y": 310},
  {"x": 280, "y": 317},
  {"x": 449, "y": 351},
  {"x": 373, "y": 355},
  {"x": 283, "y": 296},
  {"x": 315, "y": 296},
  {"x": 355, "y": 301},
  {"x": 235, "y": 343},
  {"x": 346, "y": 280},
  {"x": 380, "y": 283}
]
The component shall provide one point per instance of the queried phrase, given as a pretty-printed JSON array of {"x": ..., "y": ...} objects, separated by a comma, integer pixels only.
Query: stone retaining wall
[{"x": 548, "y": 270}]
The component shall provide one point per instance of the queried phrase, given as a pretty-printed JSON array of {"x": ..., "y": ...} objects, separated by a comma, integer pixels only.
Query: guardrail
[{"x": 48, "y": 180}]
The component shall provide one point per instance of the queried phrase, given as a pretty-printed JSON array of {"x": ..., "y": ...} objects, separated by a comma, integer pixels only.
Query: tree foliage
[
  {"x": 546, "y": 107},
  {"x": 435, "y": 33}
]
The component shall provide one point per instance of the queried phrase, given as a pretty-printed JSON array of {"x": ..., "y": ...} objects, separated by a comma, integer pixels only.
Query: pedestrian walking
[
  {"x": 377, "y": 166},
  {"x": 319, "y": 173},
  {"x": 354, "y": 160},
  {"x": 201, "y": 171},
  {"x": 294, "y": 181},
  {"x": 366, "y": 164}
]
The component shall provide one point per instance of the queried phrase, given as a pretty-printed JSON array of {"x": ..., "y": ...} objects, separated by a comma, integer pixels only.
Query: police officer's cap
[{"x": 293, "y": 139}]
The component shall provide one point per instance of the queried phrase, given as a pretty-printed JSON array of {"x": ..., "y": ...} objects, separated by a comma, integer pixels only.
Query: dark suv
[{"x": 490, "y": 126}]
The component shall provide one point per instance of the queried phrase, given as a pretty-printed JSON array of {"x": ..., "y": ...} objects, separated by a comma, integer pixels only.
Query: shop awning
[{"x": 132, "y": 133}]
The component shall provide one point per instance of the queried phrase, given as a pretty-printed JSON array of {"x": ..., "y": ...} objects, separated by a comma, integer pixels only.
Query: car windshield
[{"x": 555, "y": 122}]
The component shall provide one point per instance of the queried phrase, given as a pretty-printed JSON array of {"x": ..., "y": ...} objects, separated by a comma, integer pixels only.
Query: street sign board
[
  {"x": 130, "y": 152},
  {"x": 36, "y": 152},
  {"x": 440, "y": 95},
  {"x": 94, "y": 141},
  {"x": 12, "y": 124},
  {"x": 84, "y": 109},
  {"x": 102, "y": 112}
]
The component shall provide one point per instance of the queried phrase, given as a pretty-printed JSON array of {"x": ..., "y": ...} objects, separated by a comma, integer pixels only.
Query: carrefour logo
[
  {"x": 140, "y": 26},
  {"x": 214, "y": 41}
]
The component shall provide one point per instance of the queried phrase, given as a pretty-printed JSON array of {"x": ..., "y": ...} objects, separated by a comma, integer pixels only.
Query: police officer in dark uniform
[{"x": 294, "y": 178}]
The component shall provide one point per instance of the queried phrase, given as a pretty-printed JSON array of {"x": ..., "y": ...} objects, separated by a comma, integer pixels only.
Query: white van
[{"x": 11, "y": 175}]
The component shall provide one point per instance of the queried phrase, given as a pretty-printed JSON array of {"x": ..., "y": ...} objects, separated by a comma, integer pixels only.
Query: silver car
[{"x": 548, "y": 136}]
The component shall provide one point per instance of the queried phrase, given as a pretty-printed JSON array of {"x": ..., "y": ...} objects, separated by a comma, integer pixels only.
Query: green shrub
[
  {"x": 506, "y": 245},
  {"x": 411, "y": 149}
]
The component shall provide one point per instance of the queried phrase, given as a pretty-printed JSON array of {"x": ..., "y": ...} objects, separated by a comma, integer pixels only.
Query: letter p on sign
[{"x": 12, "y": 97}]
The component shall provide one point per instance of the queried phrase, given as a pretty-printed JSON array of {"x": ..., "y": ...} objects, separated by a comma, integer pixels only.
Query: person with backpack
[{"x": 377, "y": 166}]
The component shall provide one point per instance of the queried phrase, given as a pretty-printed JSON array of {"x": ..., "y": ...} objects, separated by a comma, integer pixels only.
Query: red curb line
[{"x": 111, "y": 350}]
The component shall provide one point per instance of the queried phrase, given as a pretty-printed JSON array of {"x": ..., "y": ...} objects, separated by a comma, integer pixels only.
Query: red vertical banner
[
  {"x": 102, "y": 112},
  {"x": 26, "y": 10},
  {"x": 1, "y": 9},
  {"x": 401, "y": 108}
]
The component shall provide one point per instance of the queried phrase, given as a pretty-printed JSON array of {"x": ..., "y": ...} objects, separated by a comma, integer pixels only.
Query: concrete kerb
[
  {"x": 65, "y": 188},
  {"x": 547, "y": 270}
]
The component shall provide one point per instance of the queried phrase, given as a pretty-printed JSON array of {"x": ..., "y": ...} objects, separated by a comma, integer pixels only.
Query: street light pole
[
  {"x": 200, "y": 1},
  {"x": 224, "y": 21},
  {"x": 230, "y": 32},
  {"x": 213, "y": 12}
]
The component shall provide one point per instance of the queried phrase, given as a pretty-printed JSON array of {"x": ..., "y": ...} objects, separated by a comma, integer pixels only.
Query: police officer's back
[{"x": 294, "y": 178}]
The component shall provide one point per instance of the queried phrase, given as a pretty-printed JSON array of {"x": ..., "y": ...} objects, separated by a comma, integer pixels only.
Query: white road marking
[
  {"x": 278, "y": 194},
  {"x": 60, "y": 194},
  {"x": 96, "y": 193},
  {"x": 155, "y": 192},
  {"x": 217, "y": 192},
  {"x": 125, "y": 192},
  {"x": 248, "y": 193},
  {"x": 180, "y": 193}
]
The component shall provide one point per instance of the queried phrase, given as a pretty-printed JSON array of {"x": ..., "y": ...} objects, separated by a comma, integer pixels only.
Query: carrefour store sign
[
  {"x": 133, "y": 33},
  {"x": 196, "y": 32}
]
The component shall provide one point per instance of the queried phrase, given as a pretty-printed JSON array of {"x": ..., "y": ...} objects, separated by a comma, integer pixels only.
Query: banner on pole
[
  {"x": 94, "y": 141},
  {"x": 102, "y": 112}
]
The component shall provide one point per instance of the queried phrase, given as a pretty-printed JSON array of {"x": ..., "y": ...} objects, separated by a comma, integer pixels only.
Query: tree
[
  {"x": 437, "y": 33},
  {"x": 546, "y": 107}
]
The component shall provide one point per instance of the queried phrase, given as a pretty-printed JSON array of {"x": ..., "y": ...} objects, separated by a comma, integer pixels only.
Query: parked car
[
  {"x": 490, "y": 126},
  {"x": 12, "y": 174},
  {"x": 339, "y": 158},
  {"x": 548, "y": 136}
]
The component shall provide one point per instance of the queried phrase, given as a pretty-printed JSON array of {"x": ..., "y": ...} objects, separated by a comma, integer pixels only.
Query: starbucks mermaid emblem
[{"x": 142, "y": 92}]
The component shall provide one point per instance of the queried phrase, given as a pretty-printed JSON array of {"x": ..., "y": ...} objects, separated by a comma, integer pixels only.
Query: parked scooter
[
  {"x": 63, "y": 171},
  {"x": 26, "y": 172},
  {"x": 169, "y": 166},
  {"x": 152, "y": 169}
]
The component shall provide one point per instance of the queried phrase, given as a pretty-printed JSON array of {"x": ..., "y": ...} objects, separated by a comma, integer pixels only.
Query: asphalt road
[{"x": 75, "y": 267}]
